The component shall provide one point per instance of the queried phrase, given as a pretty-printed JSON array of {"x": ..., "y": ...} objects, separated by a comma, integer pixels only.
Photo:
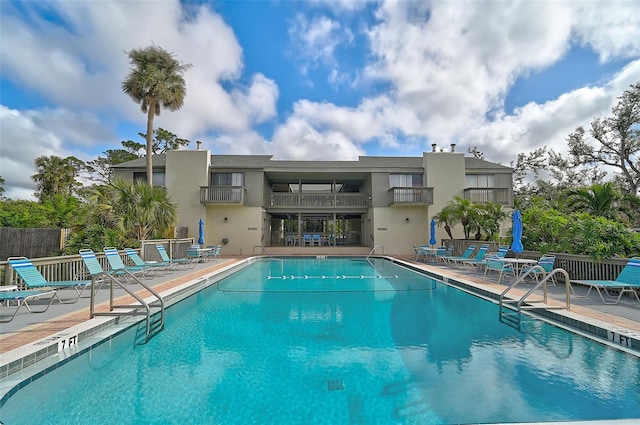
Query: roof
[{"x": 267, "y": 161}]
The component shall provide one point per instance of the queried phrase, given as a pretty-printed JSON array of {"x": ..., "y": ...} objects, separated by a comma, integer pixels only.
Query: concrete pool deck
[{"x": 30, "y": 331}]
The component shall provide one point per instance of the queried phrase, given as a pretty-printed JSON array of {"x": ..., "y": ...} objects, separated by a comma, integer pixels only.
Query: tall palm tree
[
  {"x": 155, "y": 81},
  {"x": 465, "y": 212}
]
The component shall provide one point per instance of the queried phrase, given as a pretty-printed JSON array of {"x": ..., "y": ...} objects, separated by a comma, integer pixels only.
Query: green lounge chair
[
  {"x": 34, "y": 279},
  {"x": 465, "y": 255},
  {"x": 628, "y": 281},
  {"x": 118, "y": 267},
  {"x": 160, "y": 267},
  {"x": 22, "y": 298},
  {"x": 185, "y": 262}
]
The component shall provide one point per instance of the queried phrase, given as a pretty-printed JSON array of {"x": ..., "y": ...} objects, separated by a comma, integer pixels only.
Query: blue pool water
[{"x": 335, "y": 341}]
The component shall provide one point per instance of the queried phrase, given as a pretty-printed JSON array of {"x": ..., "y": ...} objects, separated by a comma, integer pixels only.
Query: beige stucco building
[{"x": 255, "y": 200}]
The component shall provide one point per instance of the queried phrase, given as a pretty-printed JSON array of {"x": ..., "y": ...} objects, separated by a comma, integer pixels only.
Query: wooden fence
[
  {"x": 579, "y": 267},
  {"x": 30, "y": 243}
]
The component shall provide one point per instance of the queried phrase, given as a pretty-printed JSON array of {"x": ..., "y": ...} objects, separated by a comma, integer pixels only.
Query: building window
[
  {"x": 405, "y": 180},
  {"x": 480, "y": 180},
  {"x": 227, "y": 179},
  {"x": 158, "y": 177}
]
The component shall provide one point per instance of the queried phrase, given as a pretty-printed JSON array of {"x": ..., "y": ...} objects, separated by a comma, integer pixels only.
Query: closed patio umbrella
[
  {"x": 201, "y": 232},
  {"x": 516, "y": 245},
  {"x": 432, "y": 233}
]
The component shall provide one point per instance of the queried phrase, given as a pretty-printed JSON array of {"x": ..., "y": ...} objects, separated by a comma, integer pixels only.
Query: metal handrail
[
  {"x": 113, "y": 281},
  {"x": 542, "y": 283},
  {"x": 263, "y": 249},
  {"x": 374, "y": 248}
]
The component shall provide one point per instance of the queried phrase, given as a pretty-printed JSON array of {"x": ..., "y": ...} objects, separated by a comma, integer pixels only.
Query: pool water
[{"x": 335, "y": 341}]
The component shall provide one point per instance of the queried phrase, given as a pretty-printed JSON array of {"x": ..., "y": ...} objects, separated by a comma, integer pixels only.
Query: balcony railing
[
  {"x": 481, "y": 195},
  {"x": 411, "y": 196},
  {"x": 316, "y": 200},
  {"x": 230, "y": 195}
]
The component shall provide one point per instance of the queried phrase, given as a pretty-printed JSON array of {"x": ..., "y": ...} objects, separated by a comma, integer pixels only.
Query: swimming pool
[{"x": 333, "y": 341}]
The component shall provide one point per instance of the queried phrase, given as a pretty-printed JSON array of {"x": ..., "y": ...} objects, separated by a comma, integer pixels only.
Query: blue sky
[{"x": 314, "y": 79}]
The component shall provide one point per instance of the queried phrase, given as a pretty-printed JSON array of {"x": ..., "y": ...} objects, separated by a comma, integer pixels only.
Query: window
[
  {"x": 227, "y": 179},
  {"x": 480, "y": 180},
  {"x": 405, "y": 180},
  {"x": 158, "y": 177}
]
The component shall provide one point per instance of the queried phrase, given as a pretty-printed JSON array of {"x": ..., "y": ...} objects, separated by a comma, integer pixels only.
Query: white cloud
[{"x": 31, "y": 134}]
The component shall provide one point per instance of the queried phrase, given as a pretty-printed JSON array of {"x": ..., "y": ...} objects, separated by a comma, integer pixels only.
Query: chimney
[
  {"x": 453, "y": 147},
  {"x": 433, "y": 147},
  {"x": 198, "y": 143}
]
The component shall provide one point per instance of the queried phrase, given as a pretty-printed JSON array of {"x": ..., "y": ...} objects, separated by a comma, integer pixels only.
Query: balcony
[
  {"x": 222, "y": 195},
  {"x": 481, "y": 195},
  {"x": 418, "y": 196},
  {"x": 317, "y": 200}
]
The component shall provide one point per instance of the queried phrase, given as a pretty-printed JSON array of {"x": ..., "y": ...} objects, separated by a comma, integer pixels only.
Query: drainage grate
[{"x": 335, "y": 384}]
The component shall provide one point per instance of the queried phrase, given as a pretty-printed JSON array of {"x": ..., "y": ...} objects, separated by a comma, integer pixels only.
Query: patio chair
[
  {"x": 118, "y": 267},
  {"x": 493, "y": 263},
  {"x": 185, "y": 262},
  {"x": 21, "y": 298},
  {"x": 627, "y": 282},
  {"x": 34, "y": 279},
  {"x": 443, "y": 252},
  {"x": 419, "y": 252},
  {"x": 306, "y": 240},
  {"x": 316, "y": 240},
  {"x": 158, "y": 267},
  {"x": 540, "y": 270},
  {"x": 465, "y": 255}
]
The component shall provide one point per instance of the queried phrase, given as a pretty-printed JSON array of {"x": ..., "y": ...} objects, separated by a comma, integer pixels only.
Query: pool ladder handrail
[
  {"x": 515, "y": 319},
  {"x": 373, "y": 250},
  {"x": 263, "y": 249},
  {"x": 151, "y": 328}
]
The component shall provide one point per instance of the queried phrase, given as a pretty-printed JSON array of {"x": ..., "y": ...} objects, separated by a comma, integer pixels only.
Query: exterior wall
[
  {"x": 379, "y": 189},
  {"x": 445, "y": 173},
  {"x": 397, "y": 235},
  {"x": 254, "y": 182},
  {"x": 243, "y": 228},
  {"x": 186, "y": 171}
]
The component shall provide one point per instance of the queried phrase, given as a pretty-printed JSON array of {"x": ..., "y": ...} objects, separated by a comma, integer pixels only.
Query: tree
[
  {"x": 155, "y": 81},
  {"x": 603, "y": 200},
  {"x": 618, "y": 137},
  {"x": 56, "y": 176},
  {"x": 1, "y": 188},
  {"x": 464, "y": 212},
  {"x": 100, "y": 168},
  {"x": 164, "y": 140},
  {"x": 489, "y": 216}
]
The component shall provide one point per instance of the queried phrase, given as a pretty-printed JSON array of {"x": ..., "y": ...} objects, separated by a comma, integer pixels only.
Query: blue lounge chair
[
  {"x": 118, "y": 267},
  {"x": 465, "y": 255},
  {"x": 185, "y": 262},
  {"x": 158, "y": 267},
  {"x": 419, "y": 252},
  {"x": 627, "y": 282},
  {"x": 478, "y": 259},
  {"x": 306, "y": 240},
  {"x": 34, "y": 279},
  {"x": 316, "y": 240},
  {"x": 443, "y": 252},
  {"x": 22, "y": 298}
]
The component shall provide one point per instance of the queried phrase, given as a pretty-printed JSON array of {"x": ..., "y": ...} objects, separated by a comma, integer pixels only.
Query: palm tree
[
  {"x": 154, "y": 81},
  {"x": 602, "y": 200},
  {"x": 445, "y": 217},
  {"x": 464, "y": 210}
]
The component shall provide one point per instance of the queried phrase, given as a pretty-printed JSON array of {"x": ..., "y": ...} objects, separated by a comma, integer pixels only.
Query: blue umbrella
[
  {"x": 516, "y": 245},
  {"x": 432, "y": 232},
  {"x": 201, "y": 232}
]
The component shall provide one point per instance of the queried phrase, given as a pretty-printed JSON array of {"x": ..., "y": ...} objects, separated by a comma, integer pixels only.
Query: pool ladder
[
  {"x": 153, "y": 311},
  {"x": 510, "y": 310}
]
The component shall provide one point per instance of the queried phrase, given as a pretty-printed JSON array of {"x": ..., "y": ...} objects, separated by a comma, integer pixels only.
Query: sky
[{"x": 313, "y": 80}]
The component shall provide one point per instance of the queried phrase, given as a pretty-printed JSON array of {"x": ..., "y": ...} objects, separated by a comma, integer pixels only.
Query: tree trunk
[
  {"x": 448, "y": 230},
  {"x": 150, "y": 116}
]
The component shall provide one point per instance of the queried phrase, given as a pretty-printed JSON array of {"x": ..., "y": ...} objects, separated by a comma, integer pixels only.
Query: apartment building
[{"x": 255, "y": 200}]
